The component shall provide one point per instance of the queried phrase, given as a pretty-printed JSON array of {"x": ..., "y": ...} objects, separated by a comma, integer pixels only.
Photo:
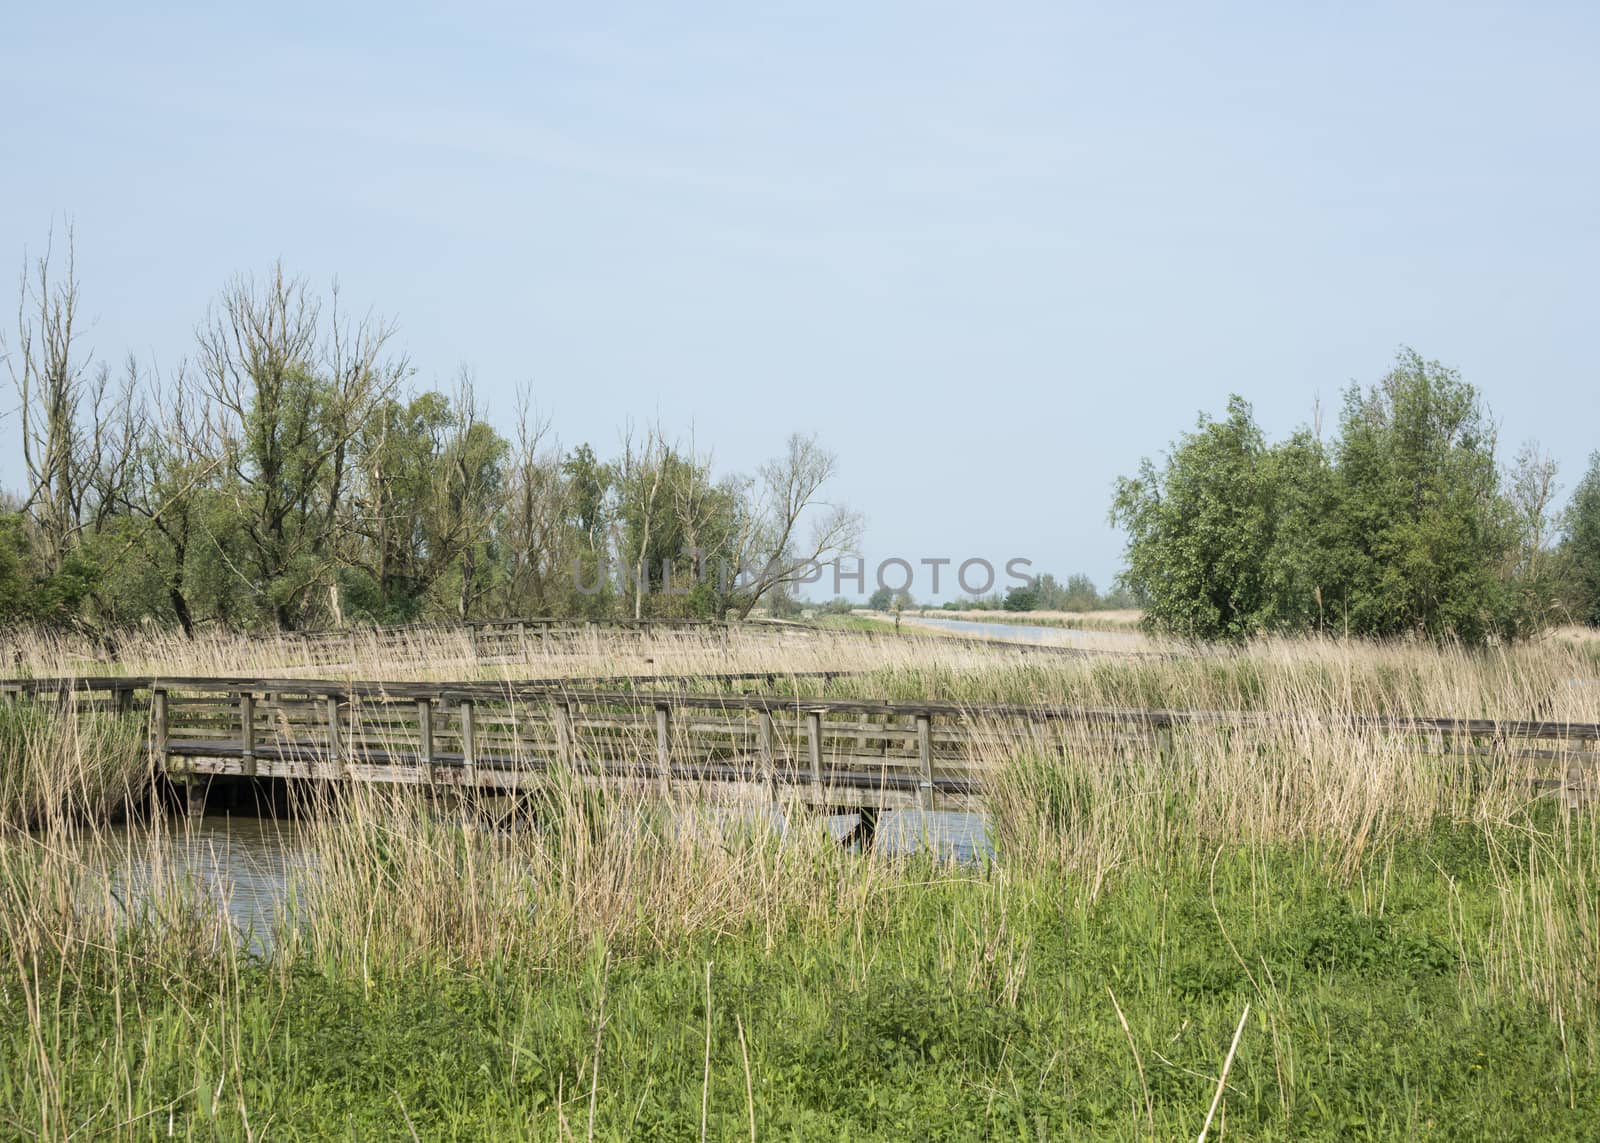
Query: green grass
[
  {"x": 956, "y": 1003},
  {"x": 1416, "y": 937}
]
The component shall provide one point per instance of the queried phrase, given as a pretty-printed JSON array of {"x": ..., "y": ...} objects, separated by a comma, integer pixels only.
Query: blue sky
[{"x": 993, "y": 255}]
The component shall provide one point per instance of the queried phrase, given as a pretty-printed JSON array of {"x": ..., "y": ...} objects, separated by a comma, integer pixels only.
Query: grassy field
[{"x": 1406, "y": 942}]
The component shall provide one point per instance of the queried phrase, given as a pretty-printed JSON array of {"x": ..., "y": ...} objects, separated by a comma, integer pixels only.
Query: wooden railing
[
  {"x": 491, "y": 736},
  {"x": 827, "y": 751},
  {"x": 835, "y": 752}
]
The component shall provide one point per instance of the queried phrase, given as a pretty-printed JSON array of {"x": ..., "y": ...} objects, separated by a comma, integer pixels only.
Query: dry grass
[{"x": 449, "y": 654}]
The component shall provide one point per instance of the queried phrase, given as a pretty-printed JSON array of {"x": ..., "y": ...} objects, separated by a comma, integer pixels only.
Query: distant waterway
[{"x": 1029, "y": 632}]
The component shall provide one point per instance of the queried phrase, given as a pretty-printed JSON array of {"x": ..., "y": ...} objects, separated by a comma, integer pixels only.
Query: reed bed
[
  {"x": 447, "y": 654},
  {"x": 1415, "y": 932}
]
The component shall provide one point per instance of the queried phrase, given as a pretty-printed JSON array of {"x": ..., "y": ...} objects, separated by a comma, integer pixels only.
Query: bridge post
[
  {"x": 925, "y": 757},
  {"x": 769, "y": 758},
  {"x": 425, "y": 737},
  {"x": 664, "y": 745},
  {"x": 1165, "y": 745},
  {"x": 335, "y": 737},
  {"x": 814, "y": 747},
  {"x": 565, "y": 751},
  {"x": 247, "y": 735},
  {"x": 158, "y": 725},
  {"x": 469, "y": 745},
  {"x": 1580, "y": 775},
  {"x": 194, "y": 795}
]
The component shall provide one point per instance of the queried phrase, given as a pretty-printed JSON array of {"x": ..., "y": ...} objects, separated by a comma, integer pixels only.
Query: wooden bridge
[{"x": 733, "y": 733}]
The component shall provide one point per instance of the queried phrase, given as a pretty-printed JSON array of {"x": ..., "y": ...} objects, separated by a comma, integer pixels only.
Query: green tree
[
  {"x": 1400, "y": 527},
  {"x": 588, "y": 503},
  {"x": 1421, "y": 525},
  {"x": 31, "y": 591},
  {"x": 428, "y": 477},
  {"x": 1580, "y": 545},
  {"x": 1022, "y": 598},
  {"x": 291, "y": 394},
  {"x": 1200, "y": 529},
  {"x": 1077, "y": 594}
]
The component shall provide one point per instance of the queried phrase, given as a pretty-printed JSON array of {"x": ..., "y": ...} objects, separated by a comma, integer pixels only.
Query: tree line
[
  {"x": 289, "y": 475},
  {"x": 1404, "y": 523}
]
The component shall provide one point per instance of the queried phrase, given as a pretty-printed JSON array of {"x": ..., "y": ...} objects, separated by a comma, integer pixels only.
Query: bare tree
[
  {"x": 172, "y": 466},
  {"x": 787, "y": 490},
  {"x": 292, "y": 395},
  {"x": 1533, "y": 489},
  {"x": 534, "y": 527},
  {"x": 118, "y": 424},
  {"x": 49, "y": 375},
  {"x": 640, "y": 478},
  {"x": 707, "y": 515},
  {"x": 80, "y": 429},
  {"x": 468, "y": 485}
]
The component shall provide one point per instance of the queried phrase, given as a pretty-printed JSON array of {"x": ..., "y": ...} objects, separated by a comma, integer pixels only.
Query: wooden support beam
[
  {"x": 335, "y": 736},
  {"x": 769, "y": 755},
  {"x": 247, "y": 732},
  {"x": 865, "y": 832},
  {"x": 158, "y": 726},
  {"x": 664, "y": 745},
  {"x": 194, "y": 796},
  {"x": 1582, "y": 769},
  {"x": 469, "y": 743},
  {"x": 925, "y": 757},
  {"x": 566, "y": 749},
  {"x": 814, "y": 746},
  {"x": 425, "y": 736}
]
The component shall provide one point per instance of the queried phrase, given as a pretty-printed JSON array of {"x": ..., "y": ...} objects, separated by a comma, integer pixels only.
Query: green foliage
[
  {"x": 1400, "y": 527},
  {"x": 1581, "y": 545},
  {"x": 27, "y": 591},
  {"x": 1420, "y": 524},
  {"x": 1201, "y": 529},
  {"x": 1022, "y": 598}
]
